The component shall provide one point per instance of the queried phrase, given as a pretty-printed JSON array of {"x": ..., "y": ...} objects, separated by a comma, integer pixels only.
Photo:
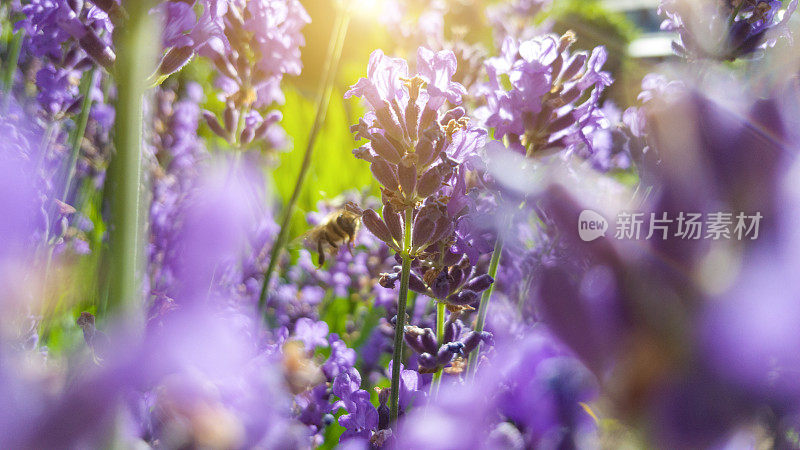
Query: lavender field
[{"x": 369, "y": 224}]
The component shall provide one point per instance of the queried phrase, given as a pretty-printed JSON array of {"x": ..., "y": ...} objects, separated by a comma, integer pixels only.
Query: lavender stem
[
  {"x": 437, "y": 376},
  {"x": 399, "y": 328},
  {"x": 80, "y": 130},
  {"x": 135, "y": 63},
  {"x": 472, "y": 361}
]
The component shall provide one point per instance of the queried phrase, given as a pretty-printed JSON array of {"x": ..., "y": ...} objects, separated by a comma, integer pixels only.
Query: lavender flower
[
  {"x": 413, "y": 152},
  {"x": 457, "y": 343},
  {"x": 253, "y": 44},
  {"x": 541, "y": 111},
  {"x": 456, "y": 284}
]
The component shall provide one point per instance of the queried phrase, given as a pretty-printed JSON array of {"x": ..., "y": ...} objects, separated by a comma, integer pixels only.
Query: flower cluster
[
  {"x": 457, "y": 342},
  {"x": 554, "y": 99},
  {"x": 69, "y": 38},
  {"x": 51, "y": 23},
  {"x": 726, "y": 30},
  {"x": 177, "y": 153},
  {"x": 252, "y": 44},
  {"x": 457, "y": 283},
  {"x": 419, "y": 155}
]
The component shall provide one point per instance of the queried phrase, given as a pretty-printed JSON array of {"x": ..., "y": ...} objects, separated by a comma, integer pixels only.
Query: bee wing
[{"x": 307, "y": 239}]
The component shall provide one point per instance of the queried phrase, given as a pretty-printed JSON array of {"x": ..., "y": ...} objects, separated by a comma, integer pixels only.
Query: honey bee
[{"x": 339, "y": 227}]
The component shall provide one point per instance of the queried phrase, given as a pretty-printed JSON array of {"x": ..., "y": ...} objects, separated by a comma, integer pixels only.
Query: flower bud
[
  {"x": 463, "y": 298},
  {"x": 175, "y": 59},
  {"x": 110, "y": 7},
  {"x": 392, "y": 221},
  {"x": 75, "y": 106},
  {"x": 363, "y": 153},
  {"x": 383, "y": 411},
  {"x": 479, "y": 283},
  {"x": 450, "y": 257},
  {"x": 261, "y": 131},
  {"x": 76, "y": 5},
  {"x": 413, "y": 341},
  {"x": 388, "y": 280},
  {"x": 230, "y": 117},
  {"x": 213, "y": 123},
  {"x": 408, "y": 179},
  {"x": 84, "y": 64},
  {"x": 471, "y": 341},
  {"x": 416, "y": 284},
  {"x": 426, "y": 361},
  {"x": 440, "y": 286},
  {"x": 247, "y": 135},
  {"x": 428, "y": 117},
  {"x": 224, "y": 66},
  {"x": 444, "y": 355},
  {"x": 456, "y": 276},
  {"x": 566, "y": 40},
  {"x": 442, "y": 230},
  {"x": 473, "y": 338},
  {"x": 557, "y": 64},
  {"x": 429, "y": 182},
  {"x": 72, "y": 57},
  {"x": 424, "y": 150},
  {"x": 387, "y": 121},
  {"x": 383, "y": 396},
  {"x": 450, "y": 332},
  {"x": 423, "y": 229},
  {"x": 376, "y": 226},
  {"x": 457, "y": 348},
  {"x": 97, "y": 49},
  {"x": 412, "y": 117},
  {"x": 385, "y": 149},
  {"x": 428, "y": 341},
  {"x": 384, "y": 173}
]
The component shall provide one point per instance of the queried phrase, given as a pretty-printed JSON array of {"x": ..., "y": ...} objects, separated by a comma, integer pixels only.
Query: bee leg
[
  {"x": 320, "y": 253},
  {"x": 332, "y": 241},
  {"x": 349, "y": 245}
]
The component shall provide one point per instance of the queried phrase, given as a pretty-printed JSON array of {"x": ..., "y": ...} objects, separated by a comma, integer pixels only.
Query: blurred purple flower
[{"x": 312, "y": 334}]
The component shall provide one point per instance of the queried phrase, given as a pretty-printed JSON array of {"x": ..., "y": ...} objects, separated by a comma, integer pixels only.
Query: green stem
[
  {"x": 80, "y": 129},
  {"x": 11, "y": 65},
  {"x": 135, "y": 63},
  {"x": 399, "y": 328},
  {"x": 325, "y": 91},
  {"x": 472, "y": 361},
  {"x": 437, "y": 376}
]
